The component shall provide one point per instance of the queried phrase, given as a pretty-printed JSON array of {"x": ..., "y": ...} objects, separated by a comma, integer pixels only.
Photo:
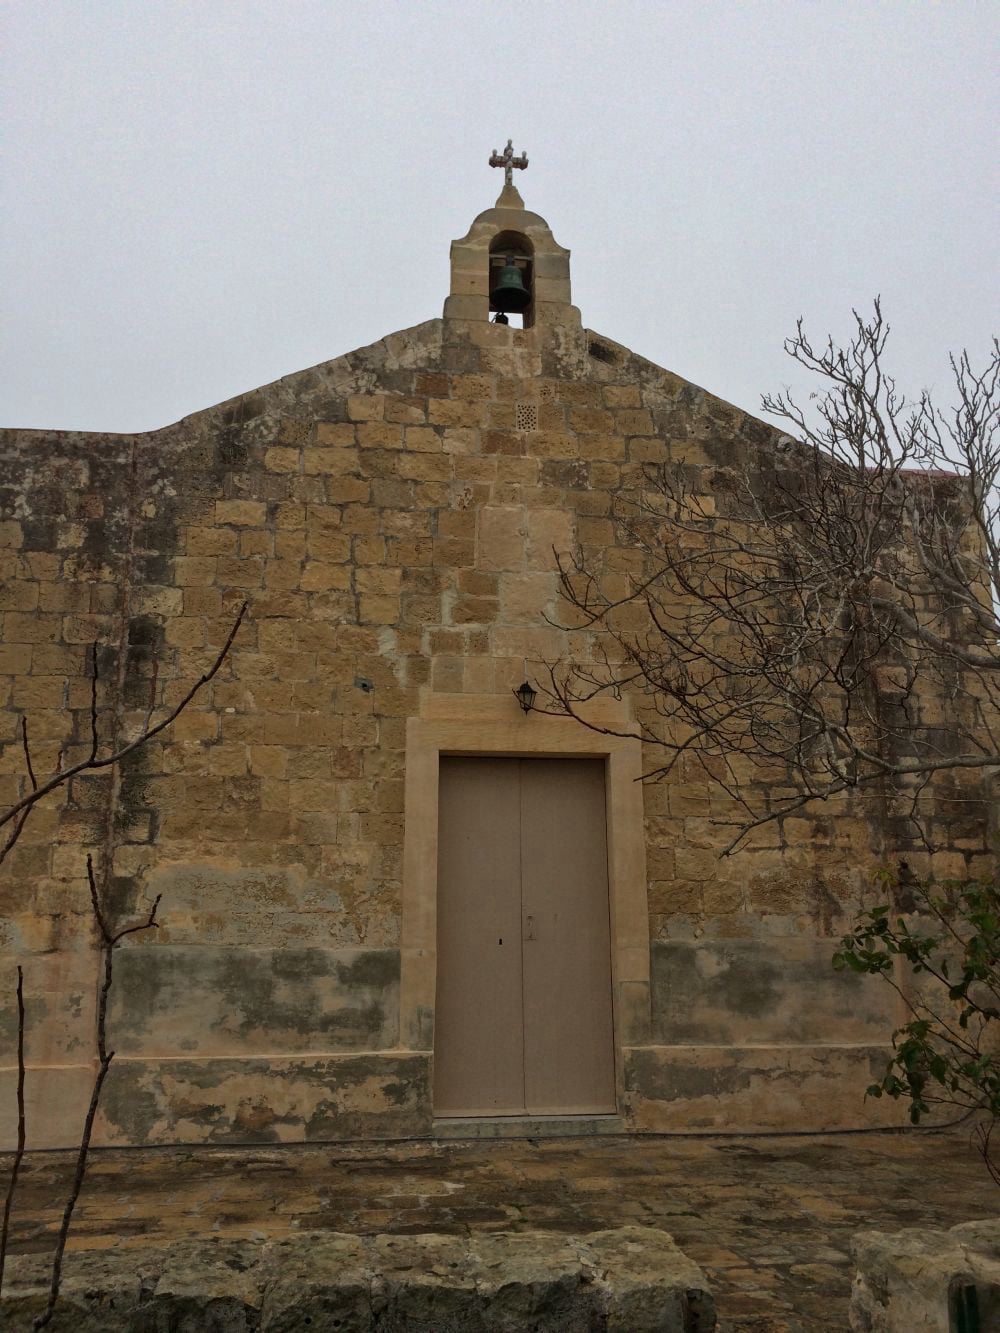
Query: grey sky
[{"x": 202, "y": 197}]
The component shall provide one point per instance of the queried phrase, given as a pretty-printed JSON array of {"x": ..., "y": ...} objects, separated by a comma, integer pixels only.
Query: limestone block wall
[{"x": 391, "y": 517}]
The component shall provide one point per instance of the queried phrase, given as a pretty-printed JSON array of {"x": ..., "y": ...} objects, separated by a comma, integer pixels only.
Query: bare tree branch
[
  {"x": 822, "y": 616},
  {"x": 19, "y": 822},
  {"x": 982, "y": 1136},
  {"x": 108, "y": 940}
]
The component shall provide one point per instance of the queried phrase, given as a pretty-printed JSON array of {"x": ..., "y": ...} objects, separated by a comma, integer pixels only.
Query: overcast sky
[{"x": 201, "y": 197}]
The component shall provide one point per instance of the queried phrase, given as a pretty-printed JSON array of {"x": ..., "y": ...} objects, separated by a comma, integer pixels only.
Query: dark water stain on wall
[{"x": 231, "y": 999}]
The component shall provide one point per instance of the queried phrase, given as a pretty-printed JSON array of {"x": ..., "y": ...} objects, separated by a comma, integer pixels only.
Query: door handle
[{"x": 529, "y": 927}]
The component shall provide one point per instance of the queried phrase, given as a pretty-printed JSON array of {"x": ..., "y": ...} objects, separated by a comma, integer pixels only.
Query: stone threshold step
[{"x": 527, "y": 1126}]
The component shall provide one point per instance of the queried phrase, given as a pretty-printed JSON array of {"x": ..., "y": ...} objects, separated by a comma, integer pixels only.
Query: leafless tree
[
  {"x": 820, "y": 616},
  {"x": 108, "y": 935}
]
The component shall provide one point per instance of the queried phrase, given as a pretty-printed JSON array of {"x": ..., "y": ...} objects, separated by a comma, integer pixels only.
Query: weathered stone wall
[{"x": 391, "y": 517}]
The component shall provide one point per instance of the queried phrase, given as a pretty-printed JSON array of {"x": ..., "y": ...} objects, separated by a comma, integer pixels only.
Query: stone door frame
[{"x": 460, "y": 724}]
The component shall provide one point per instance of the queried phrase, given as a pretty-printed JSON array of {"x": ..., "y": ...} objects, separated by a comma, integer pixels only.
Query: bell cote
[{"x": 509, "y": 267}]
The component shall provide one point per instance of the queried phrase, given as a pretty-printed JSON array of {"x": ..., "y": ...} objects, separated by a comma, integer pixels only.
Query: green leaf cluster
[{"x": 938, "y": 945}]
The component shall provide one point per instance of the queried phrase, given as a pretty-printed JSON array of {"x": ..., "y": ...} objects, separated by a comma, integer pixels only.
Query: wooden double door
[{"x": 523, "y": 1020}]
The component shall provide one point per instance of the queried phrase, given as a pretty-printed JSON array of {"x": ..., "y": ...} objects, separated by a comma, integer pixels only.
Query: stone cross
[{"x": 508, "y": 161}]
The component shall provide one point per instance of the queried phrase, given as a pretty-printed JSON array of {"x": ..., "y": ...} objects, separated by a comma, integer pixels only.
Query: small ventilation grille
[{"x": 526, "y": 417}]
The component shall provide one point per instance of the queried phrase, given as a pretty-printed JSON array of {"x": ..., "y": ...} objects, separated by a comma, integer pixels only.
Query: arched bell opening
[{"x": 511, "y": 280}]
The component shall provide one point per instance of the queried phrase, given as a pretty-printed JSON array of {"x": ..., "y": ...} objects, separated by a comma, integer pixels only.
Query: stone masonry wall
[{"x": 391, "y": 518}]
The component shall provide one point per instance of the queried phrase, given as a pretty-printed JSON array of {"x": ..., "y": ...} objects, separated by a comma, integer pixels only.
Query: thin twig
[
  {"x": 104, "y": 1059},
  {"x": 15, "y": 832},
  {"x": 94, "y": 737},
  {"x": 21, "y": 1123},
  {"x": 983, "y": 1134}
]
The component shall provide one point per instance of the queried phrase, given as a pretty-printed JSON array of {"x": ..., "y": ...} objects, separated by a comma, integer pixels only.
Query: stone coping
[{"x": 625, "y": 1280}]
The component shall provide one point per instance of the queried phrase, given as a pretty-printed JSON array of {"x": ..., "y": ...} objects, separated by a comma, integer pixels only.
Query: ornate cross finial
[{"x": 508, "y": 161}]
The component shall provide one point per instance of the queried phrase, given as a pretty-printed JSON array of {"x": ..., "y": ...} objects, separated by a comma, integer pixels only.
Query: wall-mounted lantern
[{"x": 525, "y": 695}]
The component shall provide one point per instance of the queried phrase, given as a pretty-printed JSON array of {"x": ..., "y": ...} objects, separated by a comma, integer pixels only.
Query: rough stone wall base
[
  {"x": 266, "y": 1099},
  {"x": 753, "y": 1089},
  {"x": 629, "y": 1280},
  {"x": 387, "y": 1095}
]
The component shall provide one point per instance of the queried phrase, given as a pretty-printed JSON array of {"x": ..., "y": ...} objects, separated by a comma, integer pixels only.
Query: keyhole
[{"x": 500, "y": 941}]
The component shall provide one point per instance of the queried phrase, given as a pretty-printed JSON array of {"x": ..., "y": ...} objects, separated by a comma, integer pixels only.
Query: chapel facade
[{"x": 395, "y": 903}]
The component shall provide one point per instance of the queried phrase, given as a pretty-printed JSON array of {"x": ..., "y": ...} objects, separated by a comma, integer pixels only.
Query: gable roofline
[{"x": 417, "y": 347}]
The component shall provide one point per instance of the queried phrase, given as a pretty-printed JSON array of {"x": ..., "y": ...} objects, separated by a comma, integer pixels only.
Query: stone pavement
[{"x": 769, "y": 1219}]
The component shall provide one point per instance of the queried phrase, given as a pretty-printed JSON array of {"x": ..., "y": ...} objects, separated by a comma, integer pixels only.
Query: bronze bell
[{"x": 510, "y": 294}]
